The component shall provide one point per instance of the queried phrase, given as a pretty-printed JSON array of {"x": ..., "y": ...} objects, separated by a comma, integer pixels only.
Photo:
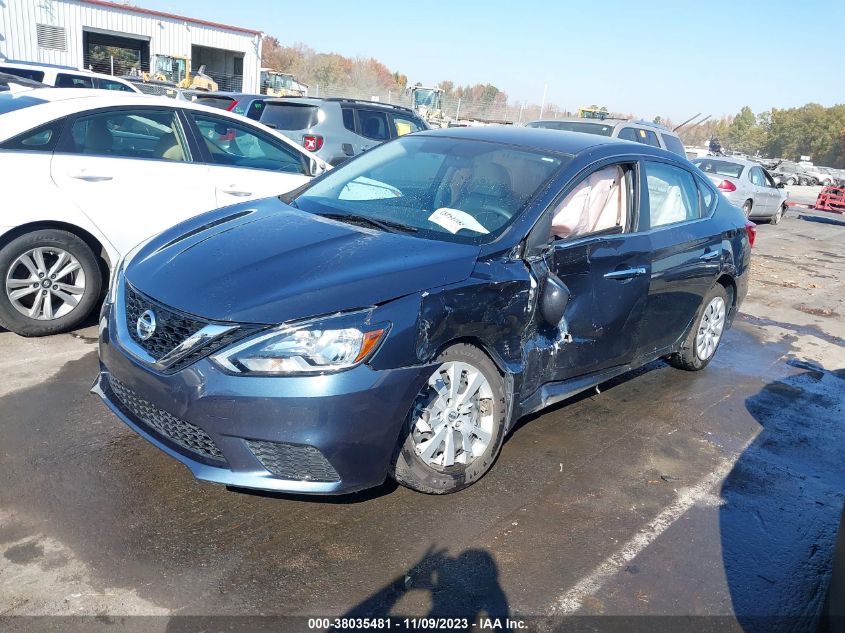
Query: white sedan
[{"x": 85, "y": 175}]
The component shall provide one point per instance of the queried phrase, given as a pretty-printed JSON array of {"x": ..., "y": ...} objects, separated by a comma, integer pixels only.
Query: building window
[{"x": 52, "y": 37}]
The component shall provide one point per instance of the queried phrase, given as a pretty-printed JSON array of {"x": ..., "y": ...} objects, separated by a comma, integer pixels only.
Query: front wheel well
[{"x": 93, "y": 243}]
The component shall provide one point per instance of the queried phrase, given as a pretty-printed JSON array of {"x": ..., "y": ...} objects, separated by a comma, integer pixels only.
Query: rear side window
[
  {"x": 672, "y": 194},
  {"x": 374, "y": 125},
  {"x": 108, "y": 84},
  {"x": 154, "y": 134},
  {"x": 707, "y": 196},
  {"x": 349, "y": 119},
  {"x": 66, "y": 80},
  {"x": 289, "y": 116},
  {"x": 757, "y": 177},
  {"x": 405, "y": 125},
  {"x": 254, "y": 112},
  {"x": 673, "y": 144},
  {"x": 26, "y": 73},
  {"x": 648, "y": 137},
  {"x": 40, "y": 139}
]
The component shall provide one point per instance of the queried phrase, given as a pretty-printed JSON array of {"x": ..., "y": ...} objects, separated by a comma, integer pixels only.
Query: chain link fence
[{"x": 454, "y": 108}]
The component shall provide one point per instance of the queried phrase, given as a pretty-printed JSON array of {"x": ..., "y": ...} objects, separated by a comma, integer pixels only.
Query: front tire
[
  {"x": 776, "y": 218},
  {"x": 49, "y": 282},
  {"x": 454, "y": 431},
  {"x": 704, "y": 337}
]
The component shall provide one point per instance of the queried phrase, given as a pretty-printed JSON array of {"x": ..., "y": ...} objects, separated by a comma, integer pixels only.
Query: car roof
[
  {"x": 610, "y": 121},
  {"x": 729, "y": 159},
  {"x": 534, "y": 138},
  {"x": 321, "y": 100}
]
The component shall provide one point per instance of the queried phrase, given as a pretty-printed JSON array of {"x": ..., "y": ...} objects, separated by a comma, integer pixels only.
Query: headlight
[{"x": 309, "y": 348}]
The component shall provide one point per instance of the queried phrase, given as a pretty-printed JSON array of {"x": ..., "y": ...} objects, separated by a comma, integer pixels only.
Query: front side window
[
  {"x": 374, "y": 125},
  {"x": 441, "y": 188},
  {"x": 597, "y": 204},
  {"x": 235, "y": 145},
  {"x": 672, "y": 194},
  {"x": 153, "y": 134},
  {"x": 66, "y": 80}
]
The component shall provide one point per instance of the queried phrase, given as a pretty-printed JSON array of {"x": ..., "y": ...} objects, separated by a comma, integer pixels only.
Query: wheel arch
[
  {"x": 729, "y": 284},
  {"x": 95, "y": 244}
]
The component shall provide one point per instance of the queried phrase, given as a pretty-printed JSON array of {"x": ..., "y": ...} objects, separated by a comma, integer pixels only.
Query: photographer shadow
[{"x": 461, "y": 588}]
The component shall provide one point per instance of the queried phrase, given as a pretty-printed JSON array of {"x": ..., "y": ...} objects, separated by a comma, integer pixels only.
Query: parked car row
[
  {"x": 637, "y": 131},
  {"x": 336, "y": 129},
  {"x": 110, "y": 170}
]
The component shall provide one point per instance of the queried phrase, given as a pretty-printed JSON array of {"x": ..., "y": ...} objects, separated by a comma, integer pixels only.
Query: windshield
[
  {"x": 443, "y": 188},
  {"x": 719, "y": 167},
  {"x": 575, "y": 126}
]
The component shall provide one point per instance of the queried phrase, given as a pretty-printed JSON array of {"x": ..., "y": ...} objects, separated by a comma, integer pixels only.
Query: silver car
[{"x": 747, "y": 185}]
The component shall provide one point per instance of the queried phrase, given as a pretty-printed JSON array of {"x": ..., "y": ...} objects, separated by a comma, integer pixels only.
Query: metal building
[{"x": 117, "y": 38}]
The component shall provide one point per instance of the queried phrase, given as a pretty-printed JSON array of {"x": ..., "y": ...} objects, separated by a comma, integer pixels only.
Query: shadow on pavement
[
  {"x": 782, "y": 503},
  {"x": 461, "y": 588},
  {"x": 821, "y": 220}
]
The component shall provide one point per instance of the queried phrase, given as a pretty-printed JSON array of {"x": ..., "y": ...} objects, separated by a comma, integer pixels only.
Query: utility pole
[{"x": 543, "y": 102}]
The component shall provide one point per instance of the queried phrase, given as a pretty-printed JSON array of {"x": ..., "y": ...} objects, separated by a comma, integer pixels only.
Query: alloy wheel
[
  {"x": 45, "y": 283},
  {"x": 452, "y": 419},
  {"x": 710, "y": 328}
]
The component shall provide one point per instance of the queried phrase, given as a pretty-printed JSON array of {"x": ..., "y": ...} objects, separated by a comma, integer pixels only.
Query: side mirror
[
  {"x": 554, "y": 299},
  {"x": 314, "y": 168}
]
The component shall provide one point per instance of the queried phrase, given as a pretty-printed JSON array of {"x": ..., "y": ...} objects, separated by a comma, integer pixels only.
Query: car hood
[{"x": 266, "y": 262}]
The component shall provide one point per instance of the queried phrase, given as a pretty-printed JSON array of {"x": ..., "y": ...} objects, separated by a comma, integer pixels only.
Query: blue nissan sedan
[{"x": 396, "y": 316}]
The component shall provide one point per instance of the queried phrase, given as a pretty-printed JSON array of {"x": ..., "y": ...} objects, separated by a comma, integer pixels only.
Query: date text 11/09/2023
[{"x": 503, "y": 624}]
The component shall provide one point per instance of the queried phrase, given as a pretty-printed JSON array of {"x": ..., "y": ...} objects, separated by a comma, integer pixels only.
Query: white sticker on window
[{"x": 453, "y": 220}]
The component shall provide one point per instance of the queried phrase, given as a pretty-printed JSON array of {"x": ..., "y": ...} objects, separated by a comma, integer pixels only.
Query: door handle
[
  {"x": 710, "y": 256},
  {"x": 627, "y": 273},
  {"x": 236, "y": 192},
  {"x": 89, "y": 177}
]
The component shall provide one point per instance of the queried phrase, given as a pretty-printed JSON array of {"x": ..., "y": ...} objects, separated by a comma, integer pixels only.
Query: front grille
[
  {"x": 171, "y": 327},
  {"x": 171, "y": 428},
  {"x": 298, "y": 462}
]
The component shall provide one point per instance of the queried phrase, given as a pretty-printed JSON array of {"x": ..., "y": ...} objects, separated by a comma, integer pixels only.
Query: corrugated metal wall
[{"x": 18, "y": 39}]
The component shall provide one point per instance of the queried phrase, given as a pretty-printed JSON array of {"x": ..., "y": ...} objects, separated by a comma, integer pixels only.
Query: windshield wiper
[{"x": 384, "y": 225}]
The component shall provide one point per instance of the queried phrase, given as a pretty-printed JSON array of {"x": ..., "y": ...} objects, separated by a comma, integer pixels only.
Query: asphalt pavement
[{"x": 665, "y": 492}]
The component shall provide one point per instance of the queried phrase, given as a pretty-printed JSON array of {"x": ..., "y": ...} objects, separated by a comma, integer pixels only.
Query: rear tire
[
  {"x": 50, "y": 282},
  {"x": 703, "y": 339},
  {"x": 424, "y": 454}
]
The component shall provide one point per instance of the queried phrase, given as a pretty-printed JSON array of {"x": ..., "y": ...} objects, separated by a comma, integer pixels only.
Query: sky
[{"x": 648, "y": 58}]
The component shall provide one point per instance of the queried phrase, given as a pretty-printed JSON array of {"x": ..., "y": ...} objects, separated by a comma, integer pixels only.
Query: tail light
[
  {"x": 312, "y": 142},
  {"x": 232, "y": 105},
  {"x": 751, "y": 232},
  {"x": 726, "y": 185}
]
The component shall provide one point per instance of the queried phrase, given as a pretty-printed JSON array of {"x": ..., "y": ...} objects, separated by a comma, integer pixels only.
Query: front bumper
[{"x": 329, "y": 434}]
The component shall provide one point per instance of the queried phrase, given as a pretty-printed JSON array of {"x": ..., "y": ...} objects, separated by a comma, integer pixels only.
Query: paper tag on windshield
[{"x": 453, "y": 220}]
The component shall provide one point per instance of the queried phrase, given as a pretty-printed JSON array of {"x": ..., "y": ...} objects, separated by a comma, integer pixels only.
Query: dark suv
[{"x": 337, "y": 129}]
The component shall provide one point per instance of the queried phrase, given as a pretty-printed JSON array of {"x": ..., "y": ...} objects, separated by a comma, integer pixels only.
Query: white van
[{"x": 65, "y": 76}]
